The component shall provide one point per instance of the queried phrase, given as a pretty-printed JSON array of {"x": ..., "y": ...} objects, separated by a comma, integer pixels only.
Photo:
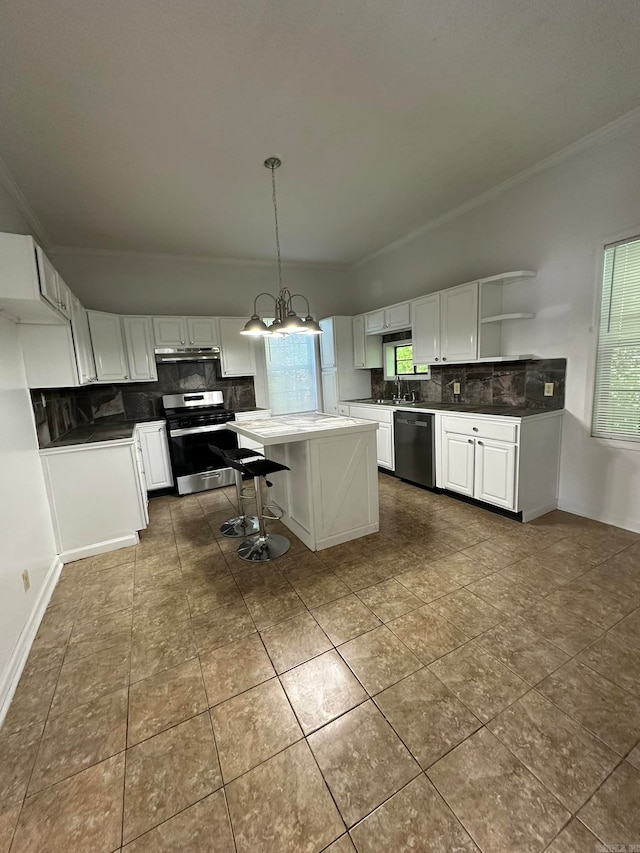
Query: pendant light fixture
[{"x": 286, "y": 320}]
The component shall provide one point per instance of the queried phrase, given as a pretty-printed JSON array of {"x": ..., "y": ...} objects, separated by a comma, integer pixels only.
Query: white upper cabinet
[
  {"x": 186, "y": 331},
  {"x": 374, "y": 322},
  {"x": 425, "y": 326},
  {"x": 202, "y": 331},
  {"x": 237, "y": 356},
  {"x": 327, "y": 343},
  {"x": 82, "y": 342},
  {"x": 64, "y": 298},
  {"x": 459, "y": 323},
  {"x": 398, "y": 317},
  {"x": 392, "y": 319},
  {"x": 48, "y": 278},
  {"x": 138, "y": 338},
  {"x": 367, "y": 349},
  {"x": 108, "y": 346},
  {"x": 170, "y": 331}
]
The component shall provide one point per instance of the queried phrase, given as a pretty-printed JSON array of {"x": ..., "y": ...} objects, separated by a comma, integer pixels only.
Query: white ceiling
[{"x": 142, "y": 125}]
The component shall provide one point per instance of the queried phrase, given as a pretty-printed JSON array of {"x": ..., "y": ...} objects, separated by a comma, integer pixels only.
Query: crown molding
[
  {"x": 204, "y": 259},
  {"x": 17, "y": 196},
  {"x": 614, "y": 128}
]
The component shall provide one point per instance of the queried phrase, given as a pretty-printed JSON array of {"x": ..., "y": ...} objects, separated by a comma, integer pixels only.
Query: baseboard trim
[
  {"x": 530, "y": 514},
  {"x": 11, "y": 676},
  {"x": 99, "y": 548},
  {"x": 626, "y": 523}
]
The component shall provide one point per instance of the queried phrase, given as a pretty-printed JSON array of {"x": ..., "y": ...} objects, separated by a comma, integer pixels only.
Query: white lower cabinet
[
  {"x": 458, "y": 453},
  {"x": 384, "y": 434},
  {"x": 495, "y": 472},
  {"x": 154, "y": 449},
  {"x": 480, "y": 467},
  {"x": 384, "y": 440},
  {"x": 95, "y": 496}
]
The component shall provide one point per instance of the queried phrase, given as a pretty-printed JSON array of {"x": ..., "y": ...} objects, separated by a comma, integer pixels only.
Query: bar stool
[
  {"x": 263, "y": 546},
  {"x": 242, "y": 524}
]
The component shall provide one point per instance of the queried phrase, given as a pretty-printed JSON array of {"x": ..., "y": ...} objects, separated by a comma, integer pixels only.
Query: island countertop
[{"x": 285, "y": 429}]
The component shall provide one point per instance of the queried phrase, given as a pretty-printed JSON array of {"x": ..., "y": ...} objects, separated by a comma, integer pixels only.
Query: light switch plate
[
  {"x": 548, "y": 389},
  {"x": 456, "y": 387}
]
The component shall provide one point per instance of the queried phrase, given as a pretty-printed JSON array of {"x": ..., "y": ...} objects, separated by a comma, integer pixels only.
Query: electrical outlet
[
  {"x": 456, "y": 387},
  {"x": 548, "y": 389},
  {"x": 25, "y": 580}
]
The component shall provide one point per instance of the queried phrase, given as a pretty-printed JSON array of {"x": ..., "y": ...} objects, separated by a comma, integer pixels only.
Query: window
[
  {"x": 291, "y": 373},
  {"x": 616, "y": 405},
  {"x": 398, "y": 361}
]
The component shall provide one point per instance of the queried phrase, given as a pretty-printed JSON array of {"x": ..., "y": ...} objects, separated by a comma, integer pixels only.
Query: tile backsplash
[
  {"x": 500, "y": 383},
  {"x": 58, "y": 411}
]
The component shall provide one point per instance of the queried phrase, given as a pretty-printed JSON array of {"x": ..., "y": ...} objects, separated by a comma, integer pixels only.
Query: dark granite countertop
[
  {"x": 92, "y": 433},
  {"x": 462, "y": 408}
]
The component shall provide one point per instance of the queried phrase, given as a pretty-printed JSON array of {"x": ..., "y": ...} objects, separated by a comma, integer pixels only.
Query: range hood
[{"x": 172, "y": 354}]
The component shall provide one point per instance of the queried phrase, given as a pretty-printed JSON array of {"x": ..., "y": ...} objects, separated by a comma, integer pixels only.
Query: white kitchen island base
[{"x": 330, "y": 495}]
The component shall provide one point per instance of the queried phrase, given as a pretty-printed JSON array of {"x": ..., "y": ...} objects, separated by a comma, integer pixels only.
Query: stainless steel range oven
[{"x": 194, "y": 421}]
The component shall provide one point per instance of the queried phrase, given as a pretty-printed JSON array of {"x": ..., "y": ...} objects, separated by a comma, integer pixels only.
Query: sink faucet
[{"x": 398, "y": 383}]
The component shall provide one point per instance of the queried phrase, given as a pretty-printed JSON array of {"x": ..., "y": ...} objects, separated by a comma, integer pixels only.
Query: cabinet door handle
[
  {"x": 470, "y": 441},
  {"x": 481, "y": 443},
  {"x": 182, "y": 342},
  {"x": 475, "y": 429},
  {"x": 437, "y": 359},
  {"x": 126, "y": 377},
  {"x": 444, "y": 358}
]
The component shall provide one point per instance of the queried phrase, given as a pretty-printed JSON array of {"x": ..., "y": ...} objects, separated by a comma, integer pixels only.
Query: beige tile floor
[{"x": 457, "y": 681}]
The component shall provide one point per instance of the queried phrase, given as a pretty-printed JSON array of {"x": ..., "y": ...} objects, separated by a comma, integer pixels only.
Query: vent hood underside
[{"x": 173, "y": 354}]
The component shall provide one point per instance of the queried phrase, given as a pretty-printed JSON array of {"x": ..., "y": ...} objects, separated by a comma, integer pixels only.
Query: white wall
[
  {"x": 26, "y": 533},
  {"x": 556, "y": 223},
  {"x": 169, "y": 284}
]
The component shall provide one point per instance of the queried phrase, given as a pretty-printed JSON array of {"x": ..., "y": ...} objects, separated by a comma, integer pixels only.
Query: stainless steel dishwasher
[{"x": 415, "y": 448}]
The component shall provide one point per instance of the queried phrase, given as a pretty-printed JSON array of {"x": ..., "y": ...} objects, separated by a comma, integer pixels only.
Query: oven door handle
[{"x": 194, "y": 430}]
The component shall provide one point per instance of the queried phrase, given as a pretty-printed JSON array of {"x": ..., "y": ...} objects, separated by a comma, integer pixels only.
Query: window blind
[
  {"x": 616, "y": 405},
  {"x": 291, "y": 373}
]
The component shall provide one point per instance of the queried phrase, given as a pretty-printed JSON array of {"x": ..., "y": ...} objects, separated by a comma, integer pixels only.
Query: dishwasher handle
[{"x": 424, "y": 421}]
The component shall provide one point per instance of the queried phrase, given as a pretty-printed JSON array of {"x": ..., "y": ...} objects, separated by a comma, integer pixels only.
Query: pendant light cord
[{"x": 275, "y": 210}]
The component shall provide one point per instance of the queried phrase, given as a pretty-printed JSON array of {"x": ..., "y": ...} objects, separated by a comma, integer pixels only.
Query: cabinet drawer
[
  {"x": 369, "y": 413},
  {"x": 499, "y": 430}
]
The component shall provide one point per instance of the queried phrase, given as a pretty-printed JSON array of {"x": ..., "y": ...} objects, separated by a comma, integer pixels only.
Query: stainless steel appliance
[
  {"x": 170, "y": 355},
  {"x": 194, "y": 421},
  {"x": 414, "y": 438}
]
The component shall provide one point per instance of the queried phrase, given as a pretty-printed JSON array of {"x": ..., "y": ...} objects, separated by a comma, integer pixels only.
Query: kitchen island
[{"x": 330, "y": 495}]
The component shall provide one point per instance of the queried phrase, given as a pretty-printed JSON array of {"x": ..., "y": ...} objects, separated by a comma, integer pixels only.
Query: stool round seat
[
  {"x": 241, "y": 525},
  {"x": 262, "y": 547}
]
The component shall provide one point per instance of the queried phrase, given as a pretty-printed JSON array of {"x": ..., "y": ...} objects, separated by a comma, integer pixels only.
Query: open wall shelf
[{"x": 498, "y": 318}]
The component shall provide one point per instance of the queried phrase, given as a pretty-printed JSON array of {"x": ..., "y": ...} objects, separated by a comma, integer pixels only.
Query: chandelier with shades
[{"x": 286, "y": 320}]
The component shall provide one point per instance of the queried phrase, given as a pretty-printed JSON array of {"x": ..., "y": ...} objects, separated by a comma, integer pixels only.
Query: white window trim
[
  {"x": 388, "y": 358},
  {"x": 599, "y": 247}
]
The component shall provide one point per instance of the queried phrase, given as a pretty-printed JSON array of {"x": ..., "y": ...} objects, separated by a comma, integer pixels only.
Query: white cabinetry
[
  {"x": 495, "y": 472},
  {"x": 367, "y": 349},
  {"x": 502, "y": 461},
  {"x": 185, "y": 331},
  {"x": 154, "y": 449},
  {"x": 95, "y": 496},
  {"x": 82, "y": 341},
  {"x": 459, "y": 459},
  {"x": 28, "y": 282},
  {"x": 384, "y": 434},
  {"x": 170, "y": 331},
  {"x": 425, "y": 320},
  {"x": 108, "y": 346},
  {"x": 138, "y": 339},
  {"x": 392, "y": 319},
  {"x": 459, "y": 323},
  {"x": 237, "y": 352},
  {"x": 203, "y": 331},
  {"x": 340, "y": 379}
]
